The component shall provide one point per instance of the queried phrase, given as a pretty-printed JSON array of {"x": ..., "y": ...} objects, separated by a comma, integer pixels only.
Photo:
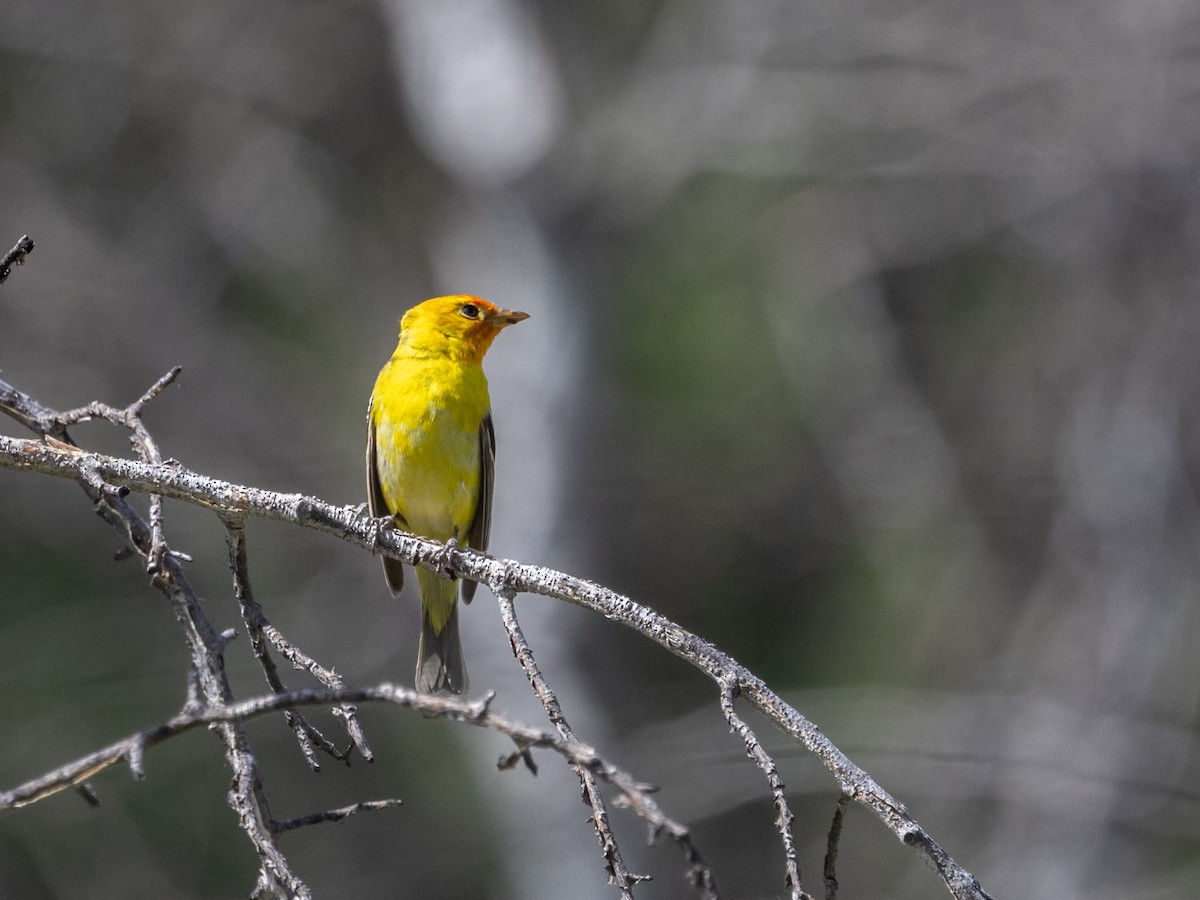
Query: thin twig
[
  {"x": 333, "y": 815},
  {"x": 260, "y": 630},
  {"x": 130, "y": 417},
  {"x": 235, "y": 537},
  {"x": 783, "y": 817},
  {"x": 247, "y": 797},
  {"x": 618, "y": 874},
  {"x": 15, "y": 256},
  {"x": 831, "y": 847},
  {"x": 634, "y": 794},
  {"x": 135, "y": 408}
]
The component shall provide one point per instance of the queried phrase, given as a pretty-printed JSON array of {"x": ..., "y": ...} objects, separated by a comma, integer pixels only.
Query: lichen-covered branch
[
  {"x": 454, "y": 709},
  {"x": 502, "y": 576}
]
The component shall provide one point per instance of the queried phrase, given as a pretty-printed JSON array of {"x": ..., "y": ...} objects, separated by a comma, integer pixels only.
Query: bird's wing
[
  {"x": 392, "y": 569},
  {"x": 481, "y": 529}
]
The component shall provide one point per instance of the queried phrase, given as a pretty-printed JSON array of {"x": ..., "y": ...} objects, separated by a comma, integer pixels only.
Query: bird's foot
[
  {"x": 445, "y": 558},
  {"x": 382, "y": 527}
]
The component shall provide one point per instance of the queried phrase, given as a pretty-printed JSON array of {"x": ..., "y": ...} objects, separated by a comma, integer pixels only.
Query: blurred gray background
[{"x": 863, "y": 343}]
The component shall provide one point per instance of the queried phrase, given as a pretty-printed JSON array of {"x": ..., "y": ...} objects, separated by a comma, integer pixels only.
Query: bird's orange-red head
[{"x": 459, "y": 325}]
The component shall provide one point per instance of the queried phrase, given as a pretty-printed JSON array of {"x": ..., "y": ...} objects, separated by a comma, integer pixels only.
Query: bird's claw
[
  {"x": 382, "y": 527},
  {"x": 445, "y": 558}
]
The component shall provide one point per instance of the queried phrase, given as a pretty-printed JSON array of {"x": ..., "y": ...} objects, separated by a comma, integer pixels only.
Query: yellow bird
[{"x": 431, "y": 457}]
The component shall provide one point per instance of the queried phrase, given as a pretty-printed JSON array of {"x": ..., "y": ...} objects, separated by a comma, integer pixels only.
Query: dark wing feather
[
  {"x": 393, "y": 571},
  {"x": 481, "y": 529}
]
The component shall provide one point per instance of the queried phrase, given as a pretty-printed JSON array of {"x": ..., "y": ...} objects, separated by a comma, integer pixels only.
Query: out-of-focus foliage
[{"x": 863, "y": 345}]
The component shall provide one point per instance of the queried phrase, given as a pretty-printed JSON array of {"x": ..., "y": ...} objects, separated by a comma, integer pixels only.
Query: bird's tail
[{"x": 440, "y": 665}]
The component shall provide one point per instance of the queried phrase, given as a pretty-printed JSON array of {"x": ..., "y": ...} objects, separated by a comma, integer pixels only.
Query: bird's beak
[{"x": 505, "y": 317}]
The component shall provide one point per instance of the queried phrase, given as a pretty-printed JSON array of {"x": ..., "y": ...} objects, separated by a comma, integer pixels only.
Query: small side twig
[
  {"x": 634, "y": 794},
  {"x": 332, "y": 815},
  {"x": 831, "y": 849},
  {"x": 130, "y": 417},
  {"x": 783, "y": 818},
  {"x": 15, "y": 256},
  {"x": 260, "y": 631},
  {"x": 134, "y": 409},
  {"x": 618, "y": 874},
  {"x": 637, "y": 797}
]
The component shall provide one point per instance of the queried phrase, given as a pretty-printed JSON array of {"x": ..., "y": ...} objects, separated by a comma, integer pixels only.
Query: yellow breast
[{"x": 427, "y": 414}]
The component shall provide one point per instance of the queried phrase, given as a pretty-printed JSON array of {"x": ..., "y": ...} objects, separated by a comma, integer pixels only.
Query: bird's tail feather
[{"x": 440, "y": 664}]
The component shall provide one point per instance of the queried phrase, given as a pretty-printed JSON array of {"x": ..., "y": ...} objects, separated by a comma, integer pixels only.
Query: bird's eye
[{"x": 470, "y": 310}]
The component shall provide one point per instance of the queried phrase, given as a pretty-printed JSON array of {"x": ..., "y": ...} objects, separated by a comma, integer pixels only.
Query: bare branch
[
  {"x": 333, "y": 815},
  {"x": 348, "y": 523},
  {"x": 635, "y": 795},
  {"x": 260, "y": 630},
  {"x": 15, "y": 256},
  {"x": 207, "y": 685},
  {"x": 85, "y": 791},
  {"x": 135, "y": 408},
  {"x": 504, "y": 577},
  {"x": 454, "y": 709},
  {"x": 783, "y": 820},
  {"x": 618, "y": 874},
  {"x": 831, "y": 850}
]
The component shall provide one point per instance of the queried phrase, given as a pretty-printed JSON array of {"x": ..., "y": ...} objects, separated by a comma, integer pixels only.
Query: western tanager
[{"x": 430, "y": 458}]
